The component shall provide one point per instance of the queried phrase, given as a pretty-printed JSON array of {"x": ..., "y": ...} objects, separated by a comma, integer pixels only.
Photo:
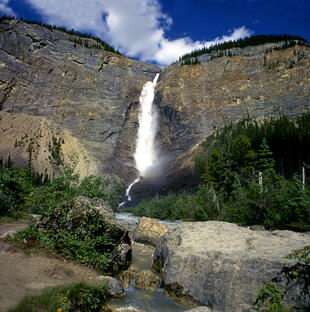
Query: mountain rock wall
[{"x": 93, "y": 95}]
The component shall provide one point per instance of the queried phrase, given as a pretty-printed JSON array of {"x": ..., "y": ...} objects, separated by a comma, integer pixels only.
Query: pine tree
[{"x": 265, "y": 161}]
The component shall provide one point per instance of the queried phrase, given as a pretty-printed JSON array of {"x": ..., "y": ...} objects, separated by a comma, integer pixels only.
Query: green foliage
[
  {"x": 289, "y": 41},
  {"x": 54, "y": 148},
  {"x": 23, "y": 191},
  {"x": 214, "y": 172},
  {"x": 287, "y": 139},
  {"x": 269, "y": 299},
  {"x": 75, "y": 233},
  {"x": 76, "y": 297},
  {"x": 190, "y": 61},
  {"x": 16, "y": 187},
  {"x": 240, "y": 180},
  {"x": 158, "y": 207},
  {"x": 298, "y": 275}
]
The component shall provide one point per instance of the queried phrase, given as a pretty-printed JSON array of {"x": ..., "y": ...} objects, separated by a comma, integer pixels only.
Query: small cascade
[
  {"x": 146, "y": 158},
  {"x": 129, "y": 188}
]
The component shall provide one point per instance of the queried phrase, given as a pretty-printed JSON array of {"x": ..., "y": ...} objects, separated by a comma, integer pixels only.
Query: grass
[{"x": 72, "y": 298}]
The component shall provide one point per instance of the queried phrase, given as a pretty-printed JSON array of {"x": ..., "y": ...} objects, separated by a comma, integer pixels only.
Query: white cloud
[
  {"x": 136, "y": 27},
  {"x": 5, "y": 9}
]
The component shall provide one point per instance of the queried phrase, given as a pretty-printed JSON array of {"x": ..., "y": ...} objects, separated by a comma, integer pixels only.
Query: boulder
[
  {"x": 149, "y": 230},
  {"x": 83, "y": 204},
  {"x": 9, "y": 234},
  {"x": 146, "y": 279},
  {"x": 222, "y": 265},
  {"x": 122, "y": 255},
  {"x": 126, "y": 276},
  {"x": 116, "y": 290}
]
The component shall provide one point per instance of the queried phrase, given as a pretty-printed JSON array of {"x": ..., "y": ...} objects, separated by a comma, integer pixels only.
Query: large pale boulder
[
  {"x": 221, "y": 265},
  {"x": 149, "y": 230}
]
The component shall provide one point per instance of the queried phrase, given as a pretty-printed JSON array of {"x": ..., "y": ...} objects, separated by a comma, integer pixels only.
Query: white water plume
[{"x": 145, "y": 155}]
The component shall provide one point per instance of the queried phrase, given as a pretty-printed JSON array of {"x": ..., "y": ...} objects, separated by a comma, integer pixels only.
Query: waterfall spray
[{"x": 145, "y": 154}]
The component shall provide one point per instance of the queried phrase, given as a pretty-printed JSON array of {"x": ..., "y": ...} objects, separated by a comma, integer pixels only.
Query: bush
[
  {"x": 271, "y": 297},
  {"x": 76, "y": 297},
  {"x": 75, "y": 232}
]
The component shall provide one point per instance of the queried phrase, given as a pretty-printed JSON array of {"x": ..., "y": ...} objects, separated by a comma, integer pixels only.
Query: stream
[{"x": 138, "y": 299}]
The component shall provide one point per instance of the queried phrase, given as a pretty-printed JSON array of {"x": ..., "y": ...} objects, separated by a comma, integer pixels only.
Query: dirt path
[{"x": 22, "y": 274}]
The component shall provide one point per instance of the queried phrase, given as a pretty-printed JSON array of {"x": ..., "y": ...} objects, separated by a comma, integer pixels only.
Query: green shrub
[
  {"x": 80, "y": 235},
  {"x": 76, "y": 297},
  {"x": 271, "y": 297}
]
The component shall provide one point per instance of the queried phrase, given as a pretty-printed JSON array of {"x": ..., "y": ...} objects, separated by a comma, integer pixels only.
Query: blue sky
[{"x": 160, "y": 31}]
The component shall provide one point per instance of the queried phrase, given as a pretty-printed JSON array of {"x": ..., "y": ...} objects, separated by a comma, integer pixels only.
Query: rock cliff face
[{"x": 93, "y": 95}]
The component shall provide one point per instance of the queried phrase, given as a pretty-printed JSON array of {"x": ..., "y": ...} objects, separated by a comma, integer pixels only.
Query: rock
[
  {"x": 115, "y": 288},
  {"x": 122, "y": 255},
  {"x": 199, "y": 309},
  {"x": 126, "y": 276},
  {"x": 220, "y": 264},
  {"x": 83, "y": 205},
  {"x": 146, "y": 279},
  {"x": 8, "y": 234},
  {"x": 256, "y": 227},
  {"x": 149, "y": 230}
]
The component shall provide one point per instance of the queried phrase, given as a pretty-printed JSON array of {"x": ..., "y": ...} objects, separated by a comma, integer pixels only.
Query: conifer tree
[{"x": 265, "y": 160}]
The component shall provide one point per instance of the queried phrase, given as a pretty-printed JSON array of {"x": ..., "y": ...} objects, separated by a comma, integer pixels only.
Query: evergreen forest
[{"x": 251, "y": 173}]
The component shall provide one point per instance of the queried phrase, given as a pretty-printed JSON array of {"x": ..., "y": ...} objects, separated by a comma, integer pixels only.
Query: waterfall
[{"x": 145, "y": 154}]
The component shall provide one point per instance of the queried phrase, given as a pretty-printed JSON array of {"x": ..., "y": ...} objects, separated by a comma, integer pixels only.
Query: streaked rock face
[{"x": 93, "y": 95}]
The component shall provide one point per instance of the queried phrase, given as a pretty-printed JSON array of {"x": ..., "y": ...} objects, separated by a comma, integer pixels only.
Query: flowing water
[
  {"x": 145, "y": 154},
  {"x": 145, "y": 300},
  {"x": 146, "y": 160}
]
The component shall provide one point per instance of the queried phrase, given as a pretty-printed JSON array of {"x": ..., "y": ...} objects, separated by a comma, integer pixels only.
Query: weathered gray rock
[
  {"x": 83, "y": 204},
  {"x": 126, "y": 276},
  {"x": 122, "y": 255},
  {"x": 220, "y": 264},
  {"x": 146, "y": 279},
  {"x": 115, "y": 288},
  {"x": 149, "y": 230},
  {"x": 8, "y": 234},
  {"x": 78, "y": 208}
]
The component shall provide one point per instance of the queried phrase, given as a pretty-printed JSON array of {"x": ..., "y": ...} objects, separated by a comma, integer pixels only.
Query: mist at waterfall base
[{"x": 148, "y": 161}]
